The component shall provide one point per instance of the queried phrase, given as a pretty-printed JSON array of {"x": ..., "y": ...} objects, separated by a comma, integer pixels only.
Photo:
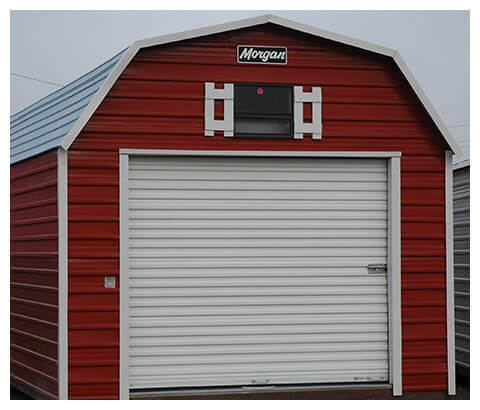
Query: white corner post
[
  {"x": 226, "y": 95},
  {"x": 449, "y": 272},
  {"x": 301, "y": 127},
  {"x": 124, "y": 275},
  {"x": 394, "y": 276},
  {"x": 62, "y": 207}
]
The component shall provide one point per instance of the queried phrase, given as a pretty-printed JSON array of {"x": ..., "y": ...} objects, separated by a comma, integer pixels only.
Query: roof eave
[{"x": 447, "y": 135}]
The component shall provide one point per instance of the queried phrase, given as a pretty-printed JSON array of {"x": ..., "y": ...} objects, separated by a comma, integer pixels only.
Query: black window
[{"x": 263, "y": 111}]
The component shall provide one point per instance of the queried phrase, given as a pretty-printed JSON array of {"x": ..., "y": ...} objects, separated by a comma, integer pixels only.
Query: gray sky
[{"x": 59, "y": 46}]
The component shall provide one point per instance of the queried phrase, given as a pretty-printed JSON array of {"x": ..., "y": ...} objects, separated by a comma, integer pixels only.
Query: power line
[
  {"x": 62, "y": 85},
  {"x": 36, "y": 79},
  {"x": 458, "y": 126}
]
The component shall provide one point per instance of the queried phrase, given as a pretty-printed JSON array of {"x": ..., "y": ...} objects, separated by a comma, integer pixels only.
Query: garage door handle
[{"x": 377, "y": 269}]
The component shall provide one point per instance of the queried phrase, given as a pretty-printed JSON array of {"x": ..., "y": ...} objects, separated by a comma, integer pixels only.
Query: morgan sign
[{"x": 261, "y": 55}]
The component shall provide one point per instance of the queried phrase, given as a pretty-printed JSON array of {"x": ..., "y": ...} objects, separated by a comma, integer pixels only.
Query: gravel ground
[
  {"x": 463, "y": 391},
  {"x": 18, "y": 395},
  {"x": 463, "y": 388}
]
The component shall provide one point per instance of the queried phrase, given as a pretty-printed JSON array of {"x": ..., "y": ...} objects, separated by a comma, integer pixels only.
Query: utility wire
[
  {"x": 36, "y": 79},
  {"x": 458, "y": 126},
  {"x": 62, "y": 85}
]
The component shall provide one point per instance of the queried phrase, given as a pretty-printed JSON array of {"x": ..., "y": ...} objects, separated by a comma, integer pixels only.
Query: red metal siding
[
  {"x": 157, "y": 103},
  {"x": 34, "y": 273}
]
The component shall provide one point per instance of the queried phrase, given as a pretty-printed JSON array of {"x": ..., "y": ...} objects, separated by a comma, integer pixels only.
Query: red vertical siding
[
  {"x": 157, "y": 103},
  {"x": 34, "y": 274}
]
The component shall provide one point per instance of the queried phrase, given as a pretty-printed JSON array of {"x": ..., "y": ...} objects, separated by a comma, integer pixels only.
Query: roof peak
[{"x": 64, "y": 135}]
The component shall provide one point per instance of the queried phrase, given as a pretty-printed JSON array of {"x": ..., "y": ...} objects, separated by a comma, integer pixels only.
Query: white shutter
[
  {"x": 225, "y": 95},
  {"x": 315, "y": 98},
  {"x": 254, "y": 270}
]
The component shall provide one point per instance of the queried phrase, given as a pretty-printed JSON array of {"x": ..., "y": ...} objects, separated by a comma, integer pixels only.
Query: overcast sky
[{"x": 59, "y": 46}]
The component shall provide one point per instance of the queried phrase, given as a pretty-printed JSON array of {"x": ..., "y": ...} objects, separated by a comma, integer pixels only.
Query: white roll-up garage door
[{"x": 254, "y": 271}]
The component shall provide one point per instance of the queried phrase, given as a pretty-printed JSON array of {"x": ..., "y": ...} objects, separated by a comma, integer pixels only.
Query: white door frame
[{"x": 394, "y": 245}]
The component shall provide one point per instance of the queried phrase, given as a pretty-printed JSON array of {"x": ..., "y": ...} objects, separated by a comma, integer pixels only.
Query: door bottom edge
[{"x": 235, "y": 390}]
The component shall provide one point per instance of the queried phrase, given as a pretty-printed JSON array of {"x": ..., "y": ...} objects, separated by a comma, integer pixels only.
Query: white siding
[
  {"x": 254, "y": 270},
  {"x": 461, "y": 221}
]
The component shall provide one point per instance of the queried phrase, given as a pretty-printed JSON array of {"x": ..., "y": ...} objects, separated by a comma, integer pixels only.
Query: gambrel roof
[{"x": 56, "y": 120}]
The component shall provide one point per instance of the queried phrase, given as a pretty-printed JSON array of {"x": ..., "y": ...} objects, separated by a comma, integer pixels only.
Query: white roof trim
[{"x": 235, "y": 25}]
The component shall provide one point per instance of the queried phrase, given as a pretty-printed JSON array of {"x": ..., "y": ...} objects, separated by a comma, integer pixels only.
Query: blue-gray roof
[{"x": 42, "y": 126}]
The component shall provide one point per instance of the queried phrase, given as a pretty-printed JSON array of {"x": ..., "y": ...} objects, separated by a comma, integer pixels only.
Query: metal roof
[
  {"x": 44, "y": 124},
  {"x": 41, "y": 127},
  {"x": 461, "y": 164}
]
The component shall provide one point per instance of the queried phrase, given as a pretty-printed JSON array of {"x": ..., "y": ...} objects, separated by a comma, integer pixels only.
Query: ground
[
  {"x": 463, "y": 391},
  {"x": 463, "y": 388}
]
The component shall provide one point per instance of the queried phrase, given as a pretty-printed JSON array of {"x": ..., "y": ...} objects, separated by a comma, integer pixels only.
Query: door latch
[{"x": 377, "y": 269}]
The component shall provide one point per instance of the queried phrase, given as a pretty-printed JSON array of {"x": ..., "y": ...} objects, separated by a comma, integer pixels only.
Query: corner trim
[
  {"x": 394, "y": 276},
  {"x": 62, "y": 207},
  {"x": 449, "y": 272}
]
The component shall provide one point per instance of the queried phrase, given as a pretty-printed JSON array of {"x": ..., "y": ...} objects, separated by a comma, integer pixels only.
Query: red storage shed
[{"x": 255, "y": 206}]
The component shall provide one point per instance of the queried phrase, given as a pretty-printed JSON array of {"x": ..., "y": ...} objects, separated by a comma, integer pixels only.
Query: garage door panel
[
  {"x": 253, "y": 175},
  {"x": 291, "y": 186},
  {"x": 257, "y": 223},
  {"x": 203, "y": 292},
  {"x": 256, "y": 300},
  {"x": 261, "y": 348},
  {"x": 288, "y": 376},
  {"x": 155, "y": 342},
  {"x": 253, "y": 368},
  {"x": 145, "y": 311},
  {"x": 231, "y": 164},
  {"x": 231, "y": 262},
  {"x": 258, "y": 194},
  {"x": 279, "y": 252},
  {"x": 141, "y": 243},
  {"x": 259, "y": 329},
  {"x": 265, "y": 163},
  {"x": 350, "y": 272},
  {"x": 253, "y": 214},
  {"x": 239, "y": 359},
  {"x": 245, "y": 269},
  {"x": 251, "y": 234},
  {"x": 224, "y": 204},
  {"x": 224, "y": 320},
  {"x": 138, "y": 281}
]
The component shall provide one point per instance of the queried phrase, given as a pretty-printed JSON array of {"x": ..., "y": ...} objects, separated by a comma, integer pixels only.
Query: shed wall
[
  {"x": 34, "y": 273},
  {"x": 461, "y": 223},
  {"x": 157, "y": 103}
]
